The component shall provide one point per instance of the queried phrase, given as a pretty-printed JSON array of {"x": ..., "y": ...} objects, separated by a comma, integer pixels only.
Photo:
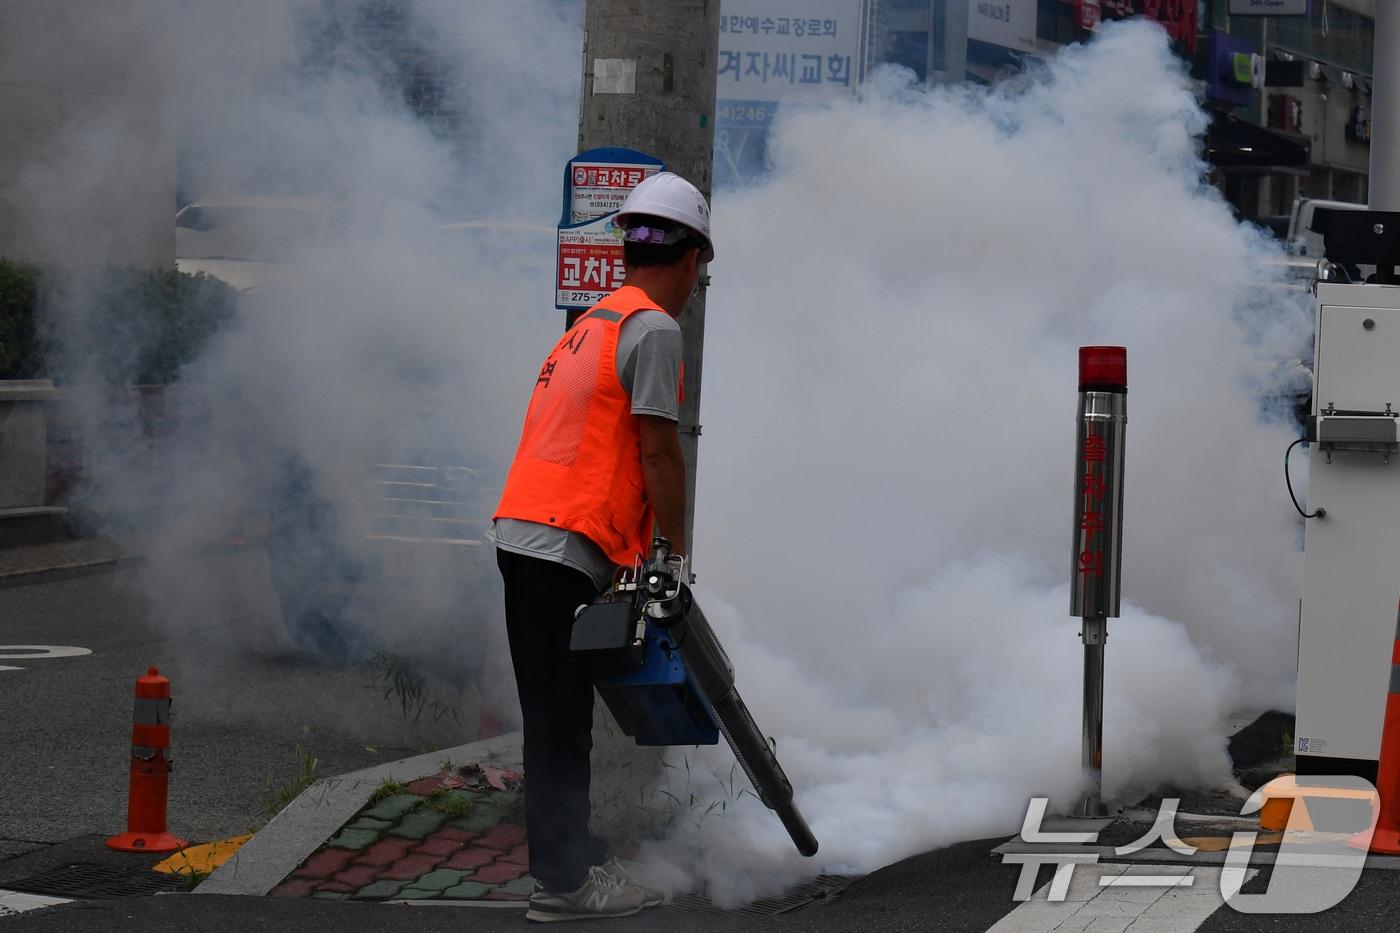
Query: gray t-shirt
[{"x": 648, "y": 365}]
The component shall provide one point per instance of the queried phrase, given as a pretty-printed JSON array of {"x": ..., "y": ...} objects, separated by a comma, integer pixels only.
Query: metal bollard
[{"x": 1098, "y": 539}]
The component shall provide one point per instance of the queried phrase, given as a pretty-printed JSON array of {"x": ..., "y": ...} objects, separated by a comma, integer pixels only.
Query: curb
[
  {"x": 53, "y": 572},
  {"x": 323, "y": 808}
]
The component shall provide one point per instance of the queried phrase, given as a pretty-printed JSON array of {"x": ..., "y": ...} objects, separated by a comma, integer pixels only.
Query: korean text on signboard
[
  {"x": 1269, "y": 7},
  {"x": 588, "y": 263},
  {"x": 778, "y": 50},
  {"x": 1007, "y": 23},
  {"x": 600, "y": 189}
]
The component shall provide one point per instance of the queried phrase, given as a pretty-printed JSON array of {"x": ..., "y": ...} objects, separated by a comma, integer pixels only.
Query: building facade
[
  {"x": 1290, "y": 96},
  {"x": 1311, "y": 87}
]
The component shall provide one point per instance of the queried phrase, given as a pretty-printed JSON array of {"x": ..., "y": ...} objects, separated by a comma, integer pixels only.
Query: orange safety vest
[{"x": 579, "y": 464}]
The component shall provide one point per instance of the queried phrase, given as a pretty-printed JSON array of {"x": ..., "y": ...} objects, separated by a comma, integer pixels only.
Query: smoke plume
[
  {"x": 885, "y": 485},
  {"x": 885, "y": 496}
]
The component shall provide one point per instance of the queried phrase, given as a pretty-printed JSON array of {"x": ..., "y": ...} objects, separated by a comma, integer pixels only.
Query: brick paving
[{"x": 456, "y": 835}]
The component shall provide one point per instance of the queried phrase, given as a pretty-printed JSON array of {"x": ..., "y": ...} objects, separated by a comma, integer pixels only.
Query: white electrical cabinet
[{"x": 1351, "y": 574}]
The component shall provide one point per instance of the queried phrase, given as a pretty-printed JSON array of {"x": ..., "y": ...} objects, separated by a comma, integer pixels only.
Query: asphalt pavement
[{"x": 249, "y": 714}]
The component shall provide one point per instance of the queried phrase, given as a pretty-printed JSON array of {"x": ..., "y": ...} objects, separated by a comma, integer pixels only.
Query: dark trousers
[{"x": 556, "y": 701}]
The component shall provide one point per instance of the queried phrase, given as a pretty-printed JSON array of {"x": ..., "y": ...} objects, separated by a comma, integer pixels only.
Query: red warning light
[{"x": 1103, "y": 368}]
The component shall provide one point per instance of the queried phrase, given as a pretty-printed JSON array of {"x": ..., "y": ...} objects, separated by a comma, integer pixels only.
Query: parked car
[{"x": 248, "y": 241}]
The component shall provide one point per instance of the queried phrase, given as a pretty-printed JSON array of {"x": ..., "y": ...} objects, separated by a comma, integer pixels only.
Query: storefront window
[
  {"x": 1349, "y": 41},
  {"x": 1055, "y": 22}
]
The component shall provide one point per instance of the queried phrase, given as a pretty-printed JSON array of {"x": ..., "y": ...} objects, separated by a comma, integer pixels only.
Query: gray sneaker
[
  {"x": 654, "y": 896},
  {"x": 604, "y": 893}
]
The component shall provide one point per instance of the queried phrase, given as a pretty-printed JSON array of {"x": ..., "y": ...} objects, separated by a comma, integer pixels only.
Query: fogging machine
[{"x": 663, "y": 673}]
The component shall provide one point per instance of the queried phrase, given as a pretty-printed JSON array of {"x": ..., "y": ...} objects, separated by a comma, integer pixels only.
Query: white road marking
[
  {"x": 1100, "y": 899},
  {"x": 38, "y": 653},
  {"x": 13, "y": 902}
]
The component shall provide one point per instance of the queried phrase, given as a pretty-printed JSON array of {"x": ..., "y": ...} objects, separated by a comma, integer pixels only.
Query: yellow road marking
[{"x": 202, "y": 859}]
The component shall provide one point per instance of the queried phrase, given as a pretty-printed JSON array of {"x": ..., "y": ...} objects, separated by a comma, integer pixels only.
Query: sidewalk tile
[
  {"x": 392, "y": 808},
  {"x": 325, "y": 863},
  {"x": 329, "y": 895},
  {"x": 454, "y": 833},
  {"x": 458, "y": 803},
  {"x": 426, "y": 787},
  {"x": 417, "y": 894},
  {"x": 357, "y": 876},
  {"x": 523, "y": 886},
  {"x": 520, "y": 855},
  {"x": 337, "y": 887},
  {"x": 354, "y": 839},
  {"x": 370, "y": 823},
  {"x": 482, "y": 818},
  {"x": 379, "y": 891},
  {"x": 439, "y": 880},
  {"x": 467, "y": 891},
  {"x": 471, "y": 858},
  {"x": 438, "y": 845},
  {"x": 498, "y": 873},
  {"x": 385, "y": 852},
  {"x": 419, "y": 824},
  {"x": 298, "y": 887},
  {"x": 410, "y": 867},
  {"x": 503, "y": 836}
]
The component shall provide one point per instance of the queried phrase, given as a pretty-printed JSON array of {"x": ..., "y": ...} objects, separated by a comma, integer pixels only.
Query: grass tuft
[
  {"x": 390, "y": 788},
  {"x": 396, "y": 677}
]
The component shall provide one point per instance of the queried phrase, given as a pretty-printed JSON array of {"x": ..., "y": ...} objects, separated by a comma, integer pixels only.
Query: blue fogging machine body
[{"x": 658, "y": 665}]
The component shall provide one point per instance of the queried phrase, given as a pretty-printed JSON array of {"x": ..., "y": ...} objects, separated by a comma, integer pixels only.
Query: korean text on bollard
[
  {"x": 150, "y": 771},
  {"x": 1098, "y": 533}
]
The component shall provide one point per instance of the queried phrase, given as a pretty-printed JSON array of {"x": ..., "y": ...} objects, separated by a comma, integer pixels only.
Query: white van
[{"x": 1303, "y": 240}]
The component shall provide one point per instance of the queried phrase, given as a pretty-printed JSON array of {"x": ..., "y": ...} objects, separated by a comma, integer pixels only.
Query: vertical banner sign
[
  {"x": 779, "y": 50},
  {"x": 588, "y": 263},
  {"x": 1087, "y": 13}
]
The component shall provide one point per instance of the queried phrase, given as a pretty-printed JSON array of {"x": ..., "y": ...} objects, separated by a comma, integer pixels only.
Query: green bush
[
  {"x": 119, "y": 326},
  {"x": 20, "y": 355}
]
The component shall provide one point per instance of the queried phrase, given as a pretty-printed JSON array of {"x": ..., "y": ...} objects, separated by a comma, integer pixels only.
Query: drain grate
[
  {"x": 820, "y": 888},
  {"x": 98, "y": 882}
]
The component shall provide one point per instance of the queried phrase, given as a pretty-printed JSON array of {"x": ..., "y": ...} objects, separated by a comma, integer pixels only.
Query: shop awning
[{"x": 1236, "y": 145}]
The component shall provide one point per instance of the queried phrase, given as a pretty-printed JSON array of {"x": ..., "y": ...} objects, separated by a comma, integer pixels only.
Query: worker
[{"x": 599, "y": 462}]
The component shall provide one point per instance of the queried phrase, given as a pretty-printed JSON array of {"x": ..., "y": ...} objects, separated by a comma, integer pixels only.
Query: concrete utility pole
[
  {"x": 954, "y": 46},
  {"x": 668, "y": 111},
  {"x": 1385, "y": 110}
]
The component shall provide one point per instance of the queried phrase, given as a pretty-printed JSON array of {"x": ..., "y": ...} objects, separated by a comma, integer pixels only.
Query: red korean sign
[
  {"x": 588, "y": 263},
  {"x": 600, "y": 189},
  {"x": 1177, "y": 17}
]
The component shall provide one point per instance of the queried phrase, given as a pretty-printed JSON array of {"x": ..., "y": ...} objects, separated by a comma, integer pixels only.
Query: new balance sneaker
[
  {"x": 604, "y": 893},
  {"x": 654, "y": 896}
]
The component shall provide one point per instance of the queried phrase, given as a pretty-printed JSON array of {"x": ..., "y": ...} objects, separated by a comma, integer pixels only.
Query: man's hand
[{"x": 663, "y": 474}]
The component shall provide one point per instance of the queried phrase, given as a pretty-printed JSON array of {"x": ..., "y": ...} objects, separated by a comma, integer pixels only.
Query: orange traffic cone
[
  {"x": 1385, "y": 838},
  {"x": 150, "y": 771}
]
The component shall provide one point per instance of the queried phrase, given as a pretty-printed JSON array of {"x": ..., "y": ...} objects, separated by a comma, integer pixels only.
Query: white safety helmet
[{"x": 671, "y": 197}]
